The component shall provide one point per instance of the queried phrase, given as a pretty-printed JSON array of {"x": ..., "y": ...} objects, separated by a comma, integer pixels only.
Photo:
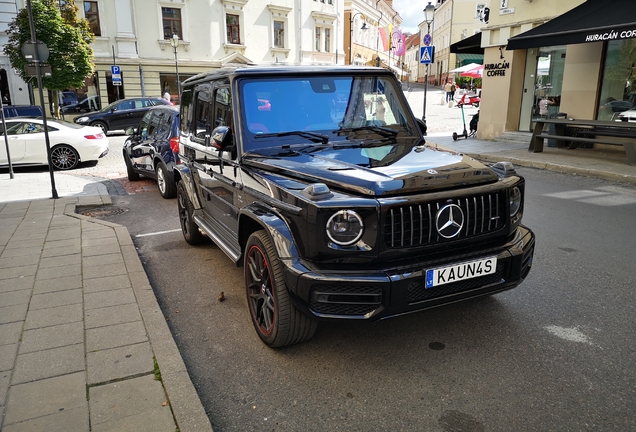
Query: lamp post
[
  {"x": 429, "y": 15},
  {"x": 174, "y": 41},
  {"x": 364, "y": 27}
]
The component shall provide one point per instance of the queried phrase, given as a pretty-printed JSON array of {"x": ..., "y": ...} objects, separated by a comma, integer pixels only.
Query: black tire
[
  {"x": 189, "y": 228},
  {"x": 101, "y": 125},
  {"x": 64, "y": 157},
  {"x": 455, "y": 136},
  {"x": 276, "y": 320},
  {"x": 165, "y": 183},
  {"x": 132, "y": 175}
]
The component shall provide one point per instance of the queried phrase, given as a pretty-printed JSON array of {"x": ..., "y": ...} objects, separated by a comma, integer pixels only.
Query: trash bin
[{"x": 551, "y": 129}]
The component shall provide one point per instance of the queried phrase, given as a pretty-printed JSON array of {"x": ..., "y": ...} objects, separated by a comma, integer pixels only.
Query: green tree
[{"x": 67, "y": 36}]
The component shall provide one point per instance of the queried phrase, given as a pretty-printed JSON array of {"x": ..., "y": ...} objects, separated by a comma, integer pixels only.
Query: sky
[{"x": 412, "y": 13}]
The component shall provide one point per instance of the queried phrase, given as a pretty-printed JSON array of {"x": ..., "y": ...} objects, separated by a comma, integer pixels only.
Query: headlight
[
  {"x": 345, "y": 227},
  {"x": 515, "y": 201},
  {"x": 81, "y": 120}
]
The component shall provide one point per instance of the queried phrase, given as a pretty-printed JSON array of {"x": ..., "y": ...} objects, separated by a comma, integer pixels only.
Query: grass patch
[{"x": 156, "y": 370}]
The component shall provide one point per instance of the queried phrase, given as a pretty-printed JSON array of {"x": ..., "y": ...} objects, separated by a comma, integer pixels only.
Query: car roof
[
  {"x": 277, "y": 70},
  {"x": 174, "y": 108}
]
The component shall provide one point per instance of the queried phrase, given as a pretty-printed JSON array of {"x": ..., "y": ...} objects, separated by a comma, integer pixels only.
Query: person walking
[
  {"x": 447, "y": 89},
  {"x": 452, "y": 90}
]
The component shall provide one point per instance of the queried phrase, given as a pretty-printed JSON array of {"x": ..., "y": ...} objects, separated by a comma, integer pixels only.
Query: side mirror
[
  {"x": 131, "y": 131},
  {"x": 222, "y": 137},
  {"x": 422, "y": 126}
]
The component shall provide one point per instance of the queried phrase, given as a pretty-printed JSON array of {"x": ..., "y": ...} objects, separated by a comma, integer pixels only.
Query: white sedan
[{"x": 70, "y": 143}]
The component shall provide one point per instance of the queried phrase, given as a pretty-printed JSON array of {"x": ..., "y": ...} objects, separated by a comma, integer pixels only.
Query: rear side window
[
  {"x": 202, "y": 113},
  {"x": 186, "y": 104}
]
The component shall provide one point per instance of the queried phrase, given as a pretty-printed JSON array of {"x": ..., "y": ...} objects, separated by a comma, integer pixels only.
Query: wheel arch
[
  {"x": 183, "y": 173},
  {"x": 256, "y": 217}
]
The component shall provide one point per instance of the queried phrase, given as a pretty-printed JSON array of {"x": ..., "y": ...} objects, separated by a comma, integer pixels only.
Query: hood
[{"x": 374, "y": 170}]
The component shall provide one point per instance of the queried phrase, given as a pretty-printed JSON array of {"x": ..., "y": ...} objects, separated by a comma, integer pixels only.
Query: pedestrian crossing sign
[{"x": 427, "y": 54}]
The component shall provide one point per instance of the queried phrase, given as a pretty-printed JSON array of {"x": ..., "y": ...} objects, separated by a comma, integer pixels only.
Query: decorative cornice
[
  {"x": 324, "y": 16},
  {"x": 234, "y": 4},
  {"x": 234, "y": 47},
  {"x": 281, "y": 10}
]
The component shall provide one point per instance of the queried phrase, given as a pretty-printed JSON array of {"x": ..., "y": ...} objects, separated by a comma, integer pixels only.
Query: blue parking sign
[{"x": 115, "y": 70}]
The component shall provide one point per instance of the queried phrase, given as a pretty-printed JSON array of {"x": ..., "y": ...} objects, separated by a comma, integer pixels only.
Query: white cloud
[{"x": 412, "y": 13}]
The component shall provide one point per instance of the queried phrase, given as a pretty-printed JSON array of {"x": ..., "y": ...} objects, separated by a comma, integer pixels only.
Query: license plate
[{"x": 460, "y": 272}]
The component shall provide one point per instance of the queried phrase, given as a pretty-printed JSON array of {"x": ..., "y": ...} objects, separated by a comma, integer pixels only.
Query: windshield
[{"x": 331, "y": 105}]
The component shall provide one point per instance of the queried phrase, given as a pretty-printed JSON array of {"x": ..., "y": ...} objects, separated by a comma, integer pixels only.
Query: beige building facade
[
  {"x": 556, "y": 75},
  {"x": 454, "y": 21},
  {"x": 362, "y": 24}
]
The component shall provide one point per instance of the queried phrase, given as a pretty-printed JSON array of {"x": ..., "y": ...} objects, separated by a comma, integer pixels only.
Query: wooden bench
[{"x": 604, "y": 132}]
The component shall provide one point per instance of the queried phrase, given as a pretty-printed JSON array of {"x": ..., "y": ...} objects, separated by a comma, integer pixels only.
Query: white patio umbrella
[{"x": 466, "y": 68}]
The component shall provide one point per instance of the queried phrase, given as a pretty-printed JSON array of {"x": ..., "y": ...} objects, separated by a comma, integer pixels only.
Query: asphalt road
[{"x": 557, "y": 353}]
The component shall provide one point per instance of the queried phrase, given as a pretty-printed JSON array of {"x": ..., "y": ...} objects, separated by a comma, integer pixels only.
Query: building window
[
  {"x": 618, "y": 85},
  {"x": 327, "y": 40},
  {"x": 279, "y": 34},
  {"x": 233, "y": 29},
  {"x": 171, "y": 22},
  {"x": 91, "y": 13},
  {"x": 318, "y": 37}
]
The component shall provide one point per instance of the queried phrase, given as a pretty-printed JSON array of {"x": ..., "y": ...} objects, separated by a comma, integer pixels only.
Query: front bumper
[{"x": 398, "y": 290}]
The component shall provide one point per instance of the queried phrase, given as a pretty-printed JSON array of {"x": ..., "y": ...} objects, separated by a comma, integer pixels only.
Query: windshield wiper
[
  {"x": 386, "y": 132},
  {"x": 316, "y": 137}
]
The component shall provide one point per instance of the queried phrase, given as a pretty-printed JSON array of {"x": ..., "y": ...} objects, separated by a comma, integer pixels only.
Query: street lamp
[
  {"x": 429, "y": 15},
  {"x": 174, "y": 41},
  {"x": 364, "y": 27}
]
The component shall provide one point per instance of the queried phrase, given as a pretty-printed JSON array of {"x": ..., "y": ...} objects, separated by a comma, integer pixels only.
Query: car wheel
[
  {"x": 276, "y": 320},
  {"x": 64, "y": 157},
  {"x": 166, "y": 185},
  {"x": 190, "y": 229},
  {"x": 101, "y": 125},
  {"x": 132, "y": 175}
]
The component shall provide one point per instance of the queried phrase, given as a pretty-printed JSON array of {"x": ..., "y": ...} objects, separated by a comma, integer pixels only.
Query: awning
[
  {"x": 465, "y": 59},
  {"x": 592, "y": 21},
  {"x": 470, "y": 45}
]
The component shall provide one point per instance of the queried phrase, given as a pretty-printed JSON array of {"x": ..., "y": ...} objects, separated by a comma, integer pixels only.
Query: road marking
[
  {"x": 570, "y": 334},
  {"x": 602, "y": 196},
  {"x": 158, "y": 233}
]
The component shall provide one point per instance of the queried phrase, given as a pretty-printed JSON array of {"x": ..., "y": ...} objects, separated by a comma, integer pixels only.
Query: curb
[
  {"x": 184, "y": 400},
  {"x": 548, "y": 166}
]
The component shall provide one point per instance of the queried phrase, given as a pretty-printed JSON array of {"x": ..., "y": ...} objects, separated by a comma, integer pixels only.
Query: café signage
[
  {"x": 496, "y": 69},
  {"x": 610, "y": 35}
]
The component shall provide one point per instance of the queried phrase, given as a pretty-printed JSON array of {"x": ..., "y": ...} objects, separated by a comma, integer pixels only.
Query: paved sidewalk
[{"x": 82, "y": 338}]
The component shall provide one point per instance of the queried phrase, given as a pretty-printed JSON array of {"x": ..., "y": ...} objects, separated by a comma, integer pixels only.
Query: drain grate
[{"x": 101, "y": 211}]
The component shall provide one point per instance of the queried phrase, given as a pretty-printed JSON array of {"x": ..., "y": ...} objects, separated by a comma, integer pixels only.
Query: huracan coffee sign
[
  {"x": 610, "y": 35},
  {"x": 496, "y": 69}
]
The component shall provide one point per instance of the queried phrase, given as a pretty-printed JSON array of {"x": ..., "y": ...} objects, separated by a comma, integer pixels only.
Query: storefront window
[
  {"x": 169, "y": 85},
  {"x": 618, "y": 92},
  {"x": 548, "y": 82}
]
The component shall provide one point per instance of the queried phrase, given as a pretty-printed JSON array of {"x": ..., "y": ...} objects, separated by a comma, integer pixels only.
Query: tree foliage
[{"x": 67, "y": 36}]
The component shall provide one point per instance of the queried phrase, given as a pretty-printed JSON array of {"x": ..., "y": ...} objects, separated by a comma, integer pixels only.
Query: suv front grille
[{"x": 415, "y": 225}]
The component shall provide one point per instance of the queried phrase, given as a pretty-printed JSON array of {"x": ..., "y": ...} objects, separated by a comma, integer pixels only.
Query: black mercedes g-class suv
[{"x": 318, "y": 181}]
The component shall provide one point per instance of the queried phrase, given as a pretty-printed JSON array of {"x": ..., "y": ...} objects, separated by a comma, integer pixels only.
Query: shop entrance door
[{"x": 544, "y": 97}]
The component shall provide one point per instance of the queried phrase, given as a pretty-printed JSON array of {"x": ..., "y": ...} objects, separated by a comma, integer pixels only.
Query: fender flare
[
  {"x": 261, "y": 217},
  {"x": 183, "y": 173}
]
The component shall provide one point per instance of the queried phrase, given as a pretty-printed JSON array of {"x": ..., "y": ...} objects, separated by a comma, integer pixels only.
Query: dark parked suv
[
  {"x": 334, "y": 204},
  {"x": 121, "y": 114},
  {"x": 151, "y": 149}
]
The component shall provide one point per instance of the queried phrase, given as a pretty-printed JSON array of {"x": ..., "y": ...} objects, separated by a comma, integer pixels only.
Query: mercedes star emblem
[{"x": 450, "y": 220}]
